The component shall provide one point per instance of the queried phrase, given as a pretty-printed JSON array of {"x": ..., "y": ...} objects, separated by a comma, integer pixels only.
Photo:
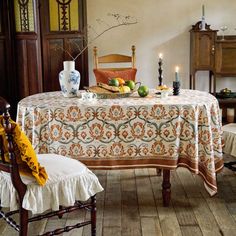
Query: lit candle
[
  {"x": 203, "y": 11},
  {"x": 160, "y": 57},
  {"x": 177, "y": 74}
]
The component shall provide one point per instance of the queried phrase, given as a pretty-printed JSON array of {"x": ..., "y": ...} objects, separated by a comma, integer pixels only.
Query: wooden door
[
  {"x": 4, "y": 57},
  {"x": 62, "y": 24},
  {"x": 8, "y": 82},
  {"x": 27, "y": 47}
]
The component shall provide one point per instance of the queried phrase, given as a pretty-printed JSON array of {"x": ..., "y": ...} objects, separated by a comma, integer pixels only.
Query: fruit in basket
[
  {"x": 114, "y": 82},
  {"x": 110, "y": 88},
  {"x": 124, "y": 89},
  {"x": 130, "y": 84},
  {"x": 143, "y": 91},
  {"x": 121, "y": 81}
]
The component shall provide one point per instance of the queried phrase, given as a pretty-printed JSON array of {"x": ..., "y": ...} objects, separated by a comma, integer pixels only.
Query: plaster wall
[{"x": 163, "y": 27}]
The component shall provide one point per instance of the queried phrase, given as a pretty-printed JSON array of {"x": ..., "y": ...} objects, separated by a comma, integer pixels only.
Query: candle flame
[
  {"x": 160, "y": 55},
  {"x": 177, "y": 69}
]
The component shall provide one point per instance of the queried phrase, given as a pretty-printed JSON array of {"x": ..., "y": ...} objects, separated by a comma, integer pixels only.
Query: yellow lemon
[{"x": 124, "y": 89}]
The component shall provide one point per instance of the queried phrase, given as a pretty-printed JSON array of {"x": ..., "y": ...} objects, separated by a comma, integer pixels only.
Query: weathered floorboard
[{"x": 131, "y": 205}]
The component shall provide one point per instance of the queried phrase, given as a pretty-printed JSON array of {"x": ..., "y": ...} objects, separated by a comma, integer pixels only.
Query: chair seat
[
  {"x": 229, "y": 136},
  {"x": 68, "y": 180}
]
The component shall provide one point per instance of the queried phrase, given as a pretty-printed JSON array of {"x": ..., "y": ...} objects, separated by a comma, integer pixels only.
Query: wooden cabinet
[
  {"x": 209, "y": 52},
  {"x": 225, "y": 58},
  {"x": 202, "y": 52},
  {"x": 225, "y": 65}
]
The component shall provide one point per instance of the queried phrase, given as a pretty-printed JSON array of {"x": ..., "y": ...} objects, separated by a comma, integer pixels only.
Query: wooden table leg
[
  {"x": 166, "y": 191},
  {"x": 190, "y": 82}
]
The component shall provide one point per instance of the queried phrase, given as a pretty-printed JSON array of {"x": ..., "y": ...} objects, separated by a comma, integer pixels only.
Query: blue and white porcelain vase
[{"x": 69, "y": 79}]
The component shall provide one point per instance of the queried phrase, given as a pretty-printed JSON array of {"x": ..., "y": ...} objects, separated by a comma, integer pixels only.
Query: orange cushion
[{"x": 102, "y": 76}]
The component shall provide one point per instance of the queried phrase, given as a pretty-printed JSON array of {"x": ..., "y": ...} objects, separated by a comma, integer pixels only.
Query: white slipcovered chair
[
  {"x": 70, "y": 185},
  {"x": 229, "y": 137}
]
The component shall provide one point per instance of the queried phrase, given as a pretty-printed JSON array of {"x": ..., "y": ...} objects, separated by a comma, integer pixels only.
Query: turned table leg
[{"x": 166, "y": 191}]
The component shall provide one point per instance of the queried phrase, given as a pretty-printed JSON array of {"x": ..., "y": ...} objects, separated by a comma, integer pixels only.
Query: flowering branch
[{"x": 119, "y": 21}]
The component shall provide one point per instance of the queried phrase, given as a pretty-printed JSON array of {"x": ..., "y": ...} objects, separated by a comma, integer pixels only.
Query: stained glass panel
[
  {"x": 64, "y": 15},
  {"x": 24, "y": 15}
]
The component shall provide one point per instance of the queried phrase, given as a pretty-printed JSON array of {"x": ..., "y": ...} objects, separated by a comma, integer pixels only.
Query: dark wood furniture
[
  {"x": 29, "y": 63},
  {"x": 209, "y": 52},
  {"x": 20, "y": 187},
  {"x": 225, "y": 56},
  {"x": 225, "y": 66},
  {"x": 68, "y": 37},
  {"x": 202, "y": 53}
]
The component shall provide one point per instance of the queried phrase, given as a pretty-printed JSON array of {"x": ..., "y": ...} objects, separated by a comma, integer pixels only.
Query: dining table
[{"x": 130, "y": 132}]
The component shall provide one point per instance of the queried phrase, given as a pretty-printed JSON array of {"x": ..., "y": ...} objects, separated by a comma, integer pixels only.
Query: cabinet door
[
  {"x": 226, "y": 57},
  {"x": 204, "y": 50},
  {"x": 62, "y": 22}
]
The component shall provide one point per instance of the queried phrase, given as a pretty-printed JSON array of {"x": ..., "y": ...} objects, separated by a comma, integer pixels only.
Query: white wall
[{"x": 163, "y": 26}]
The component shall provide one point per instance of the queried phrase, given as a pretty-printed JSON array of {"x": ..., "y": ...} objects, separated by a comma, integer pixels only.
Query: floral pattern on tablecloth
[{"x": 182, "y": 130}]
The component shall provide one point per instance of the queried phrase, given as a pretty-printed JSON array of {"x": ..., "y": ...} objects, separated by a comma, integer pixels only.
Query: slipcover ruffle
[
  {"x": 68, "y": 180},
  {"x": 229, "y": 137}
]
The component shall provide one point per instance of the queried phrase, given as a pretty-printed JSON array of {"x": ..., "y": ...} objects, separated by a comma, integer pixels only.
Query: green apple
[
  {"x": 143, "y": 91},
  {"x": 114, "y": 82},
  {"x": 130, "y": 84}
]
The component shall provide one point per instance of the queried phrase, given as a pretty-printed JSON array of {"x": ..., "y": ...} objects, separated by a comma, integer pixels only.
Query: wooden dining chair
[
  {"x": 122, "y": 66},
  {"x": 113, "y": 58},
  {"x": 61, "y": 185}
]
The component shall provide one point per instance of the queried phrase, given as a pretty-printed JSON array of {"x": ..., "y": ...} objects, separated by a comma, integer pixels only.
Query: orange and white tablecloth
[{"x": 182, "y": 130}]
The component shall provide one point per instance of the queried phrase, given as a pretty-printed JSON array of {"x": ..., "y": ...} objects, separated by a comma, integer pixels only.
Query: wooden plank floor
[{"x": 131, "y": 205}]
